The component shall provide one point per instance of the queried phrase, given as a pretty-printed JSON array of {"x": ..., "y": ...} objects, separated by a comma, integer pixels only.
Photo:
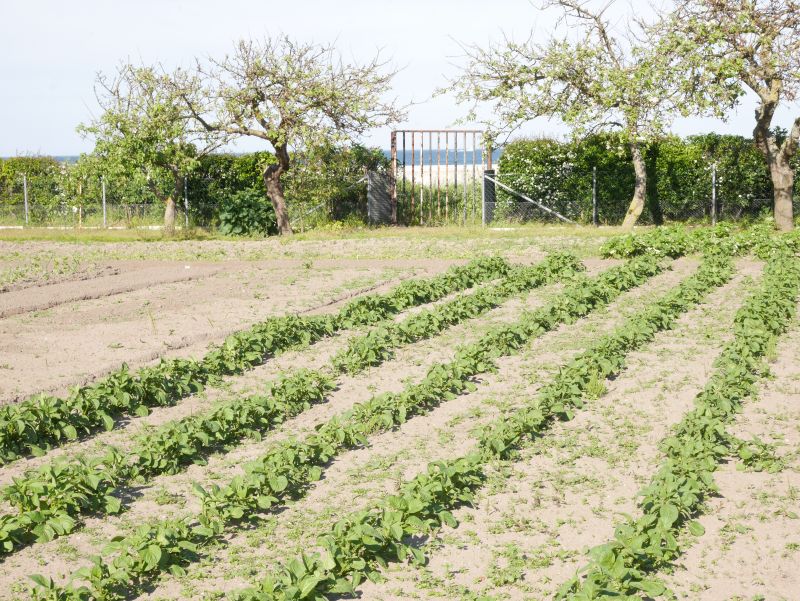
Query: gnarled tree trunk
[
  {"x": 272, "y": 182},
  {"x": 640, "y": 190},
  {"x": 783, "y": 188},
  {"x": 169, "y": 201},
  {"x": 778, "y": 157}
]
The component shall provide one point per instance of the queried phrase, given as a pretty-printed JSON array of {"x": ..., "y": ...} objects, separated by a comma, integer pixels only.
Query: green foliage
[
  {"x": 143, "y": 135},
  {"x": 559, "y": 174},
  {"x": 323, "y": 175},
  {"x": 376, "y": 346},
  {"x": 191, "y": 439},
  {"x": 46, "y": 179},
  {"x": 676, "y": 240},
  {"x": 247, "y": 213},
  {"x": 290, "y": 466},
  {"x": 359, "y": 545}
]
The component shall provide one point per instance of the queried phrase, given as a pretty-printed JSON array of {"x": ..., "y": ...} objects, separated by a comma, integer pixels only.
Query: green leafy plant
[
  {"x": 675, "y": 495},
  {"x": 247, "y": 213},
  {"x": 359, "y": 545}
]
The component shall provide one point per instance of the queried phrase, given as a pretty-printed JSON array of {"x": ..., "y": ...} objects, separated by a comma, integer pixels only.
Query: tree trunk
[
  {"x": 777, "y": 157},
  {"x": 169, "y": 214},
  {"x": 640, "y": 190},
  {"x": 783, "y": 187},
  {"x": 272, "y": 182},
  {"x": 278, "y": 200}
]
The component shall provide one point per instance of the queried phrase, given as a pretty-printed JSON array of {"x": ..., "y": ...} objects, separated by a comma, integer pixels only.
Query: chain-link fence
[
  {"x": 36, "y": 201},
  {"x": 86, "y": 215},
  {"x": 453, "y": 198},
  {"x": 603, "y": 198}
]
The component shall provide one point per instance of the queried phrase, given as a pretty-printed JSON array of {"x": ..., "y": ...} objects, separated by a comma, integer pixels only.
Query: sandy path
[
  {"x": 751, "y": 547},
  {"x": 356, "y": 477},
  {"x": 76, "y": 342}
]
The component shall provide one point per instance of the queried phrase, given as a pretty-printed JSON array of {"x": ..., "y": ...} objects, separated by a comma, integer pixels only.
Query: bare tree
[
  {"x": 603, "y": 81},
  {"x": 292, "y": 95},
  {"x": 144, "y": 133},
  {"x": 752, "y": 44}
]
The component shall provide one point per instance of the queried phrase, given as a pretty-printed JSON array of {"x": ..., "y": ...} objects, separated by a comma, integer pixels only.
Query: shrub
[{"x": 247, "y": 213}]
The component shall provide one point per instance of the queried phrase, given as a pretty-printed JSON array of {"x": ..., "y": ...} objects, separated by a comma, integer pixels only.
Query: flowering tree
[
  {"x": 592, "y": 80},
  {"x": 293, "y": 96},
  {"x": 734, "y": 45},
  {"x": 144, "y": 132}
]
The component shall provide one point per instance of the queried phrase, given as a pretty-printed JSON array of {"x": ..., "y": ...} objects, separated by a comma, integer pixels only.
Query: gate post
[
  {"x": 393, "y": 178},
  {"x": 488, "y": 196},
  {"x": 25, "y": 194},
  {"x": 103, "y": 187}
]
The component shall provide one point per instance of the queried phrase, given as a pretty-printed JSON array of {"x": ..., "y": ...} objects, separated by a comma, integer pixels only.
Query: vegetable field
[{"x": 522, "y": 414}]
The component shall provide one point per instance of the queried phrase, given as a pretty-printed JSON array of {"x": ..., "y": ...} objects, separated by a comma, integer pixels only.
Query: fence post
[
  {"x": 487, "y": 196},
  {"x": 186, "y": 201},
  {"x": 714, "y": 194},
  {"x": 25, "y": 195},
  {"x": 393, "y": 180},
  {"x": 595, "y": 216},
  {"x": 103, "y": 186}
]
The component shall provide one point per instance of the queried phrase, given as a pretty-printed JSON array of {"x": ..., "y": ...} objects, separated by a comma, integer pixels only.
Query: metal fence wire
[
  {"x": 424, "y": 196},
  {"x": 597, "y": 197}
]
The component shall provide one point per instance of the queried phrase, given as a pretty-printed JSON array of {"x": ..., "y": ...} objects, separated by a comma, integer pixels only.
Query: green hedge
[
  {"x": 321, "y": 186},
  {"x": 559, "y": 174}
]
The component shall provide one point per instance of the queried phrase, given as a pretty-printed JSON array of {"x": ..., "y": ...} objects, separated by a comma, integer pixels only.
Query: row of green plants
[
  {"x": 623, "y": 567},
  {"x": 288, "y": 468},
  {"x": 759, "y": 239},
  {"x": 44, "y": 422},
  {"x": 377, "y": 345},
  {"x": 361, "y": 544},
  {"x": 50, "y": 498}
]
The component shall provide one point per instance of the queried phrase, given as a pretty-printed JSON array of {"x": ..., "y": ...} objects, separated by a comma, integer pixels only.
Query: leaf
[
  {"x": 308, "y": 584},
  {"x": 653, "y": 588},
  {"x": 278, "y": 483},
  {"x": 151, "y": 556},
  {"x": 113, "y": 504},
  {"x": 696, "y": 528},
  {"x": 42, "y": 581}
]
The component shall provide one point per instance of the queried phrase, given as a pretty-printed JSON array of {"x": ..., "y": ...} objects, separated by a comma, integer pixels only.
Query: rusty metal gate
[{"x": 437, "y": 175}]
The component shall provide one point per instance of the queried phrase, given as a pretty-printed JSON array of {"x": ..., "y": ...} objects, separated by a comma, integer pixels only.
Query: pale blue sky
[{"x": 50, "y": 51}]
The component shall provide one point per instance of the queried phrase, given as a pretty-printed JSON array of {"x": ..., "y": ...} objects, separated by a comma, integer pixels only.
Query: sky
[{"x": 51, "y": 51}]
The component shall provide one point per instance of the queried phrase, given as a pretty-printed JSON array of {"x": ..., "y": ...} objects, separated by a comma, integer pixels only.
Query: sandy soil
[
  {"x": 172, "y": 494},
  {"x": 164, "y": 312},
  {"x": 535, "y": 518},
  {"x": 356, "y": 477},
  {"x": 751, "y": 546}
]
